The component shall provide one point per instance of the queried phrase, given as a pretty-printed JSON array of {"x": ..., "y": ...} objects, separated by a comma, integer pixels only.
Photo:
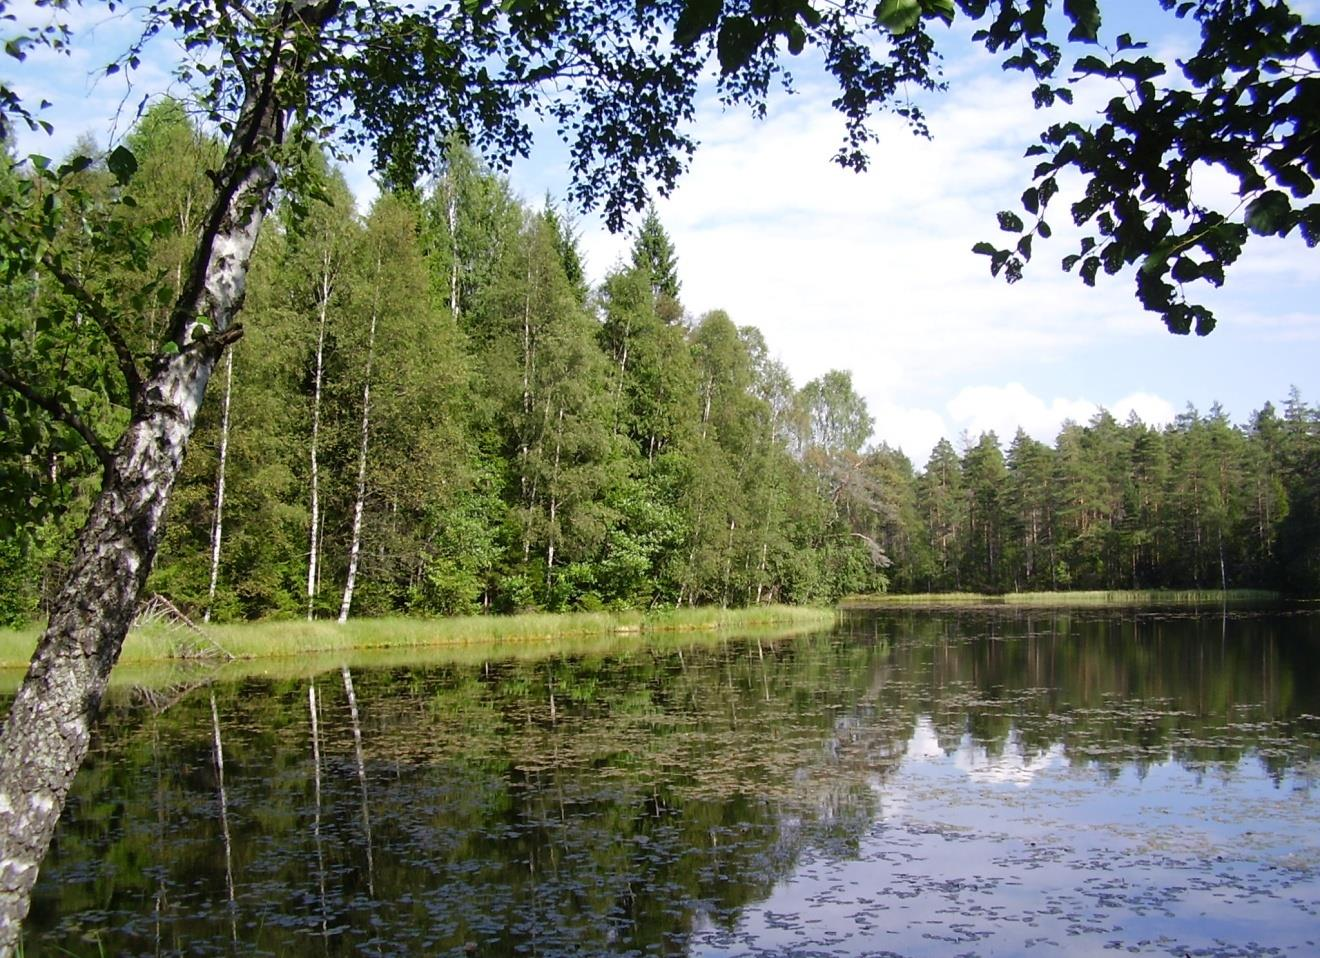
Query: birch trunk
[
  {"x": 218, "y": 524},
  {"x": 355, "y": 549},
  {"x": 451, "y": 210},
  {"x": 554, "y": 502},
  {"x": 314, "y": 550},
  {"x": 48, "y": 729}
]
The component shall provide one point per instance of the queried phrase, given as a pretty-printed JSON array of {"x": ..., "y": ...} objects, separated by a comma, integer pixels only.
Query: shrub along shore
[{"x": 284, "y": 638}]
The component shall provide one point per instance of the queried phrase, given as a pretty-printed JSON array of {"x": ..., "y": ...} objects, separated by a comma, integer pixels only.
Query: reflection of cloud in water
[{"x": 1010, "y": 765}]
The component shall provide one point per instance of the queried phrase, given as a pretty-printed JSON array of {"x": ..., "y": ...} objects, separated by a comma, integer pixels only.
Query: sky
[{"x": 873, "y": 272}]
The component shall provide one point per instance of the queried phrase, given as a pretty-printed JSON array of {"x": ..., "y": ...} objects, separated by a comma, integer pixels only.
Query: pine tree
[{"x": 1029, "y": 513}]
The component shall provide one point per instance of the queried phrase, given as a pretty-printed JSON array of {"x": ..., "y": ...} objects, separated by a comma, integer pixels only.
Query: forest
[{"x": 431, "y": 412}]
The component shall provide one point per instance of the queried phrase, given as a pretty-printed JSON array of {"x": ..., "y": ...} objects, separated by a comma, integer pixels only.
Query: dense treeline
[
  {"x": 1200, "y": 503},
  {"x": 432, "y": 412}
]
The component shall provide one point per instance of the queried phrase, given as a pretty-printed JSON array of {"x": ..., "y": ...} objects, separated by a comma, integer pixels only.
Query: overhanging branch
[
  {"x": 61, "y": 413},
  {"x": 101, "y": 316}
]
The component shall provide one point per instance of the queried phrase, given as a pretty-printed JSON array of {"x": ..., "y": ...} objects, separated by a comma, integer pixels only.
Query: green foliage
[
  {"x": 1244, "y": 102},
  {"x": 653, "y": 253},
  {"x": 1199, "y": 504},
  {"x": 535, "y": 448}
]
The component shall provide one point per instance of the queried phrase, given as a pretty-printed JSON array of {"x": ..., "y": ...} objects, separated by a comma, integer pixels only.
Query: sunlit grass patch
[{"x": 250, "y": 640}]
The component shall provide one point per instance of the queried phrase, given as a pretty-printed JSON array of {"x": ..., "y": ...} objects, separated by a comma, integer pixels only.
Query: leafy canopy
[{"x": 619, "y": 79}]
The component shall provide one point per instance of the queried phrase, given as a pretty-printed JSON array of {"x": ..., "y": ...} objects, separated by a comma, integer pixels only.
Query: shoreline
[{"x": 161, "y": 643}]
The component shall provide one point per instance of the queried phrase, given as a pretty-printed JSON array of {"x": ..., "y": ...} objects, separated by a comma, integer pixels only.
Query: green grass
[
  {"x": 1134, "y": 597},
  {"x": 296, "y": 638}
]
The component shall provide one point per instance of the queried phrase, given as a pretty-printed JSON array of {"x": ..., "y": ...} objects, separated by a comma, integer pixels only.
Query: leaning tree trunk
[{"x": 48, "y": 729}]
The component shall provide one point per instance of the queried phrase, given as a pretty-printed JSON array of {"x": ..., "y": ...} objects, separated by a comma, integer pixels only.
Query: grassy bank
[
  {"x": 1134, "y": 597},
  {"x": 260, "y": 640}
]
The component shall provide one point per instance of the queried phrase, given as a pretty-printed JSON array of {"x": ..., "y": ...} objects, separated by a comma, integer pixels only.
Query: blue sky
[{"x": 873, "y": 272}]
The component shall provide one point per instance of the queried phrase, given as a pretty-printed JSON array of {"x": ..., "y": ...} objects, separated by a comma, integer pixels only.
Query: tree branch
[
  {"x": 57, "y": 411},
  {"x": 101, "y": 316}
]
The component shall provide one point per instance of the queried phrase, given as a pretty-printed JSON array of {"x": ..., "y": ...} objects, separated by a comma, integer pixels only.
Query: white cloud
[
  {"x": 981, "y": 409},
  {"x": 915, "y": 431},
  {"x": 1151, "y": 409}
]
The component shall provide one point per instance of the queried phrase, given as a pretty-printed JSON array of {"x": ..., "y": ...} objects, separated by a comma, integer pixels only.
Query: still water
[{"x": 961, "y": 783}]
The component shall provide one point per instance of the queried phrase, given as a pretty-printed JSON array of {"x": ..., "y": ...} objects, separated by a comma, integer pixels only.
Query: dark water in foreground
[{"x": 910, "y": 784}]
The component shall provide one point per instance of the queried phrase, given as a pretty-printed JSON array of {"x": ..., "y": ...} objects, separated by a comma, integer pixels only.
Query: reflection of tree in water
[{"x": 662, "y": 790}]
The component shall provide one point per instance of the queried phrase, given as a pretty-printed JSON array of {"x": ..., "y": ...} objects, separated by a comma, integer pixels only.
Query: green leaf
[
  {"x": 1156, "y": 259},
  {"x": 1090, "y": 266},
  {"x": 1010, "y": 222},
  {"x": 797, "y": 38},
  {"x": 941, "y": 9},
  {"x": 75, "y": 165},
  {"x": 985, "y": 249},
  {"x": 736, "y": 43},
  {"x": 170, "y": 348},
  {"x": 1085, "y": 15},
  {"x": 122, "y": 163},
  {"x": 1091, "y": 64},
  {"x": 898, "y": 16},
  {"x": 697, "y": 19},
  {"x": 1185, "y": 270},
  {"x": 1269, "y": 213}
]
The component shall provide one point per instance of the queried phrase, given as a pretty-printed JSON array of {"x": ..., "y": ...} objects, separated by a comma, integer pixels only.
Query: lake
[{"x": 962, "y": 782}]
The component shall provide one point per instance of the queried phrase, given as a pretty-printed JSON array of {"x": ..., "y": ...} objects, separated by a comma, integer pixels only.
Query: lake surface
[{"x": 960, "y": 783}]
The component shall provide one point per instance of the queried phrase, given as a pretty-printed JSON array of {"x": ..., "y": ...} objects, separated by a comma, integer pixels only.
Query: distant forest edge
[{"x": 432, "y": 413}]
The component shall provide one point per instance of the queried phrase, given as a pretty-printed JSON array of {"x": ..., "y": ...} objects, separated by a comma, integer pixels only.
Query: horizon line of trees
[
  {"x": 1200, "y": 503},
  {"x": 432, "y": 412}
]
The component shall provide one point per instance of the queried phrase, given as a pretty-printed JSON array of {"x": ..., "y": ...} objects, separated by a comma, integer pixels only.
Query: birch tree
[{"x": 321, "y": 241}]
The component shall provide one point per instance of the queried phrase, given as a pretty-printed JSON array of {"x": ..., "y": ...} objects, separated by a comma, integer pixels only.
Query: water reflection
[{"x": 908, "y": 784}]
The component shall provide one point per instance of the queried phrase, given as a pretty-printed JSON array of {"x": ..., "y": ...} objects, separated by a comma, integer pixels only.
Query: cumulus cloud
[
  {"x": 1151, "y": 409},
  {"x": 1003, "y": 409}
]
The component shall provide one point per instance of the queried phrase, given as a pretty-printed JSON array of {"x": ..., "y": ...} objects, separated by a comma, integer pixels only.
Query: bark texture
[
  {"x": 49, "y": 725},
  {"x": 48, "y": 729}
]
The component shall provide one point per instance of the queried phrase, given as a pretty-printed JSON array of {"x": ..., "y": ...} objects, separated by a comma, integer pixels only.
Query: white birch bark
[
  {"x": 355, "y": 548},
  {"x": 316, "y": 822},
  {"x": 314, "y": 550},
  {"x": 451, "y": 210},
  {"x": 218, "y": 522},
  {"x": 554, "y": 502}
]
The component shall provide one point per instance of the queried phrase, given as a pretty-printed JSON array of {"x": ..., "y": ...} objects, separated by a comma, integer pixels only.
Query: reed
[
  {"x": 1131, "y": 597},
  {"x": 273, "y": 639}
]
